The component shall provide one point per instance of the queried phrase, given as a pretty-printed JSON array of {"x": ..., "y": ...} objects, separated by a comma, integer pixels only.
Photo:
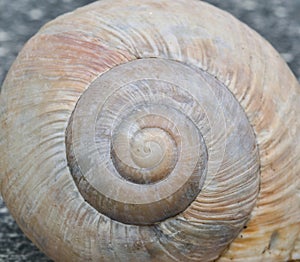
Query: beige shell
[{"x": 156, "y": 130}]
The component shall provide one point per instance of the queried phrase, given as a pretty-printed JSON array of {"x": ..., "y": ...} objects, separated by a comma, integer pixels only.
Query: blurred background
[{"x": 276, "y": 20}]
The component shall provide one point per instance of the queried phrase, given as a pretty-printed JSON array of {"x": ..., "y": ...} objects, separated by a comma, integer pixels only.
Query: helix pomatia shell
[{"x": 150, "y": 62}]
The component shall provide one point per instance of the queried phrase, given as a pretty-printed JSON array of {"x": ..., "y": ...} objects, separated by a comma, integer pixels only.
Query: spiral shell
[{"x": 160, "y": 131}]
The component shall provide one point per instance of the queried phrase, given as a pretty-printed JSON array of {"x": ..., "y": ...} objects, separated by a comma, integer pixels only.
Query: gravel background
[{"x": 277, "y": 20}]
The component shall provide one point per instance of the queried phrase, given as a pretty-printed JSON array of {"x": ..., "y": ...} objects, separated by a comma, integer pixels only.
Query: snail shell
[{"x": 160, "y": 131}]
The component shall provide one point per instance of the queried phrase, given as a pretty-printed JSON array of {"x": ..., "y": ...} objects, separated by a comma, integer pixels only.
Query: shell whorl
[
  {"x": 140, "y": 107},
  {"x": 148, "y": 132}
]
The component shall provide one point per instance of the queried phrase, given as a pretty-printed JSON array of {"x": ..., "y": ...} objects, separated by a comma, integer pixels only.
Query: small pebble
[
  {"x": 288, "y": 57},
  {"x": 35, "y": 14},
  {"x": 280, "y": 12},
  {"x": 250, "y": 5},
  {"x": 3, "y": 210},
  {"x": 3, "y": 51},
  {"x": 4, "y": 36}
]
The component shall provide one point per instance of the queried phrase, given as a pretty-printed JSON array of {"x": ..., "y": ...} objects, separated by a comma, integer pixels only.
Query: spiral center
[
  {"x": 148, "y": 147},
  {"x": 152, "y": 154}
]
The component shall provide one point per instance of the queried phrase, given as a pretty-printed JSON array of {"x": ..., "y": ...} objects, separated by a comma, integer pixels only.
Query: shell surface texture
[{"x": 152, "y": 131}]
